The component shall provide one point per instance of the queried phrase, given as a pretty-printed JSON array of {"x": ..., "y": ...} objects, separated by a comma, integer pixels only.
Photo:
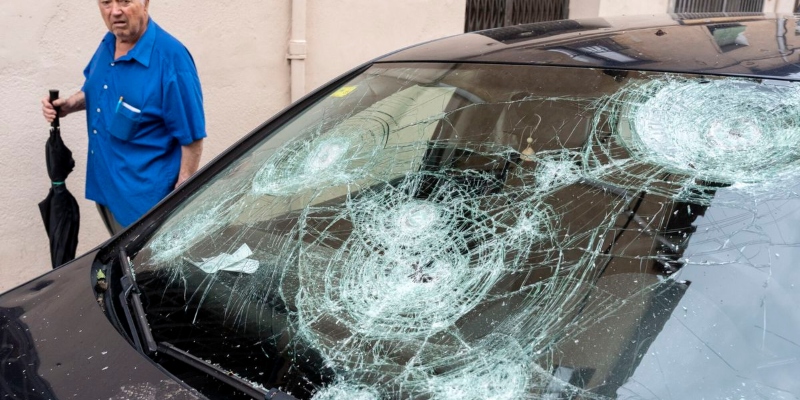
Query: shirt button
[
  {"x": 105, "y": 86},
  {"x": 112, "y": 64},
  {"x": 92, "y": 151},
  {"x": 98, "y": 110},
  {"x": 95, "y": 131}
]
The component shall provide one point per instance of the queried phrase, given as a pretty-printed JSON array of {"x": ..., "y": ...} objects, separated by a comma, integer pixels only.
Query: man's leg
[{"x": 111, "y": 223}]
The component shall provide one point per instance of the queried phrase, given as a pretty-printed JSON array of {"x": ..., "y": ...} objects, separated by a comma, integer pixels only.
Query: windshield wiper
[
  {"x": 130, "y": 295},
  {"x": 222, "y": 375},
  {"x": 131, "y": 303}
]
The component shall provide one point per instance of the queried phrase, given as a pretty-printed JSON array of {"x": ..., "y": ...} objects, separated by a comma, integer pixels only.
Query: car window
[{"x": 460, "y": 231}]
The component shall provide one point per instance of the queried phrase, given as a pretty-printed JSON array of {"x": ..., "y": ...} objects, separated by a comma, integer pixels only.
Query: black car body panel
[{"x": 56, "y": 343}]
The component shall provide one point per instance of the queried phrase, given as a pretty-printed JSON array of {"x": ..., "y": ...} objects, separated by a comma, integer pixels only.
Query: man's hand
[{"x": 76, "y": 102}]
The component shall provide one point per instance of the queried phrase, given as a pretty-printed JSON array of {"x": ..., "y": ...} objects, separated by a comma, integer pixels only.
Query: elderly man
[{"x": 144, "y": 114}]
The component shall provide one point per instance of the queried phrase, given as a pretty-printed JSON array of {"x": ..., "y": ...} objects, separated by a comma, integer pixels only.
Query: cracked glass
[{"x": 472, "y": 231}]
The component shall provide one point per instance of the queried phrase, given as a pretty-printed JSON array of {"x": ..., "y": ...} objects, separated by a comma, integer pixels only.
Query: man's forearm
[
  {"x": 76, "y": 102},
  {"x": 190, "y": 160}
]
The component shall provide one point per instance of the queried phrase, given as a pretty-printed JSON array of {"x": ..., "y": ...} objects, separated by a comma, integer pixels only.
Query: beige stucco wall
[
  {"x": 240, "y": 49},
  {"x": 344, "y": 33},
  {"x": 605, "y": 8},
  {"x": 779, "y": 6},
  {"x": 632, "y": 7},
  {"x": 584, "y": 8}
]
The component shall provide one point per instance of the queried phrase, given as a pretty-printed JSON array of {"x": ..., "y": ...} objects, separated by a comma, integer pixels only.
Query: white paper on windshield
[{"x": 236, "y": 262}]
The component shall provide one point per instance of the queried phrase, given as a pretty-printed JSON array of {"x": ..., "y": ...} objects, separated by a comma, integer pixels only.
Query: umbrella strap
[{"x": 58, "y": 183}]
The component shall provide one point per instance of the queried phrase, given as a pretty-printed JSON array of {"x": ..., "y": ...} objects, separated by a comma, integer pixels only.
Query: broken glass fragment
[
  {"x": 180, "y": 234},
  {"x": 347, "y": 391}
]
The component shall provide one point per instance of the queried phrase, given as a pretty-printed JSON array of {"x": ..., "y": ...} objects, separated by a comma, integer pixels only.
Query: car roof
[{"x": 755, "y": 45}]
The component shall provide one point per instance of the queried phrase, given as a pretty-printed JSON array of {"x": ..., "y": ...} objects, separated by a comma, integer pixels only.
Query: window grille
[
  {"x": 712, "y": 6},
  {"x": 486, "y": 14},
  {"x": 797, "y": 7}
]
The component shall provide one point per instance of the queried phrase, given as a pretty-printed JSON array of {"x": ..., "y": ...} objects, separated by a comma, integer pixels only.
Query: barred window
[
  {"x": 487, "y": 14},
  {"x": 704, "y": 6}
]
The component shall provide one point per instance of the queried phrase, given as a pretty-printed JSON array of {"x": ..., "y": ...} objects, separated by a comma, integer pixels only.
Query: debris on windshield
[{"x": 236, "y": 262}]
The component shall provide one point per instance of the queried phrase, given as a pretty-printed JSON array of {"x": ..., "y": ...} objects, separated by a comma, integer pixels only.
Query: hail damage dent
[{"x": 737, "y": 139}]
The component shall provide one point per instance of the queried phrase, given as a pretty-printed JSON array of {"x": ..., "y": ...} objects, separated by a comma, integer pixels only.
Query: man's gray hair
[{"x": 140, "y": 1}]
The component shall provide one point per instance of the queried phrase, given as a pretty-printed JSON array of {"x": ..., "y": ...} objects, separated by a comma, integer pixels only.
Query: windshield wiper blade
[
  {"x": 222, "y": 375},
  {"x": 137, "y": 320}
]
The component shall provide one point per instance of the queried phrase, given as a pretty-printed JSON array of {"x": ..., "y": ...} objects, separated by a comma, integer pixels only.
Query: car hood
[{"x": 56, "y": 343}]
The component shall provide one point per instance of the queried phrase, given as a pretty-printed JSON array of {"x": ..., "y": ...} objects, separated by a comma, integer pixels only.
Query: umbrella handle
[{"x": 54, "y": 97}]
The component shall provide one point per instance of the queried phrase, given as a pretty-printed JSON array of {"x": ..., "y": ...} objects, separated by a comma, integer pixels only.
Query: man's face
[{"x": 126, "y": 19}]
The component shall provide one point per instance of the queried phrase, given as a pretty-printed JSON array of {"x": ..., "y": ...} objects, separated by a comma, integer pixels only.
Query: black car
[{"x": 582, "y": 209}]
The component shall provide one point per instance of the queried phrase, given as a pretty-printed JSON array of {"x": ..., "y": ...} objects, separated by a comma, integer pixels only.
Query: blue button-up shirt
[{"x": 140, "y": 110}]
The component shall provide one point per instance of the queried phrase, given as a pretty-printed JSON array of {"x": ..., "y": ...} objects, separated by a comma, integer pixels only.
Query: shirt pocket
[{"x": 125, "y": 122}]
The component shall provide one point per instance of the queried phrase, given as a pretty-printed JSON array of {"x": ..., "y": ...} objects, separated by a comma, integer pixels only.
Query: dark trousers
[{"x": 111, "y": 223}]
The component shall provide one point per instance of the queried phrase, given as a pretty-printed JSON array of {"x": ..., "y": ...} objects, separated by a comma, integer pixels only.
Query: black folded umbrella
[{"x": 59, "y": 209}]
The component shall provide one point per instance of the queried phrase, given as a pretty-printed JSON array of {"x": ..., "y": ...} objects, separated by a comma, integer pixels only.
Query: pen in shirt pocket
[{"x": 122, "y": 103}]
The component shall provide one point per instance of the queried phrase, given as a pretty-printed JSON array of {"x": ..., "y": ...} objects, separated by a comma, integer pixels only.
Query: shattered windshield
[{"x": 472, "y": 231}]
